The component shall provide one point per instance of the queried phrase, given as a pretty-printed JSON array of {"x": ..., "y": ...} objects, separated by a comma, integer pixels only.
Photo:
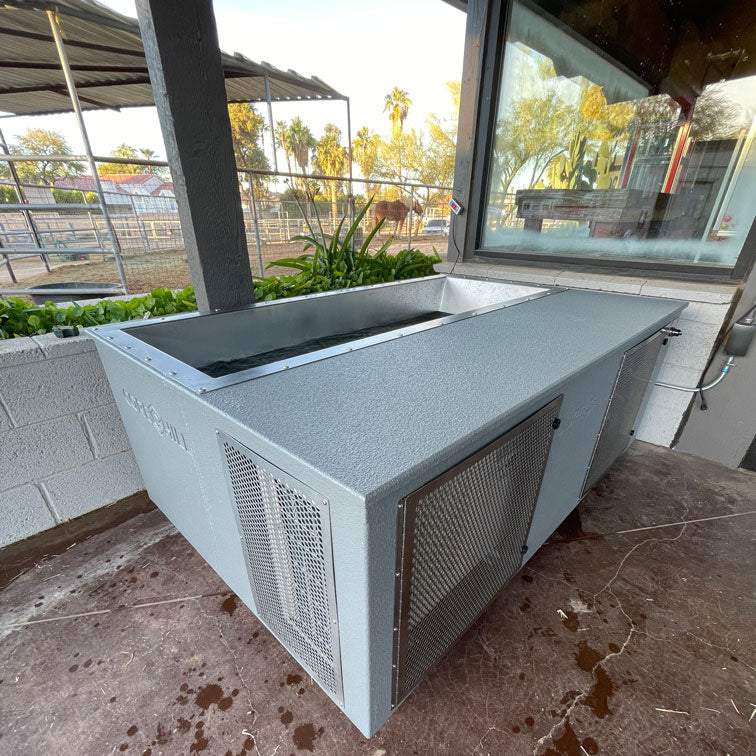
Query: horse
[{"x": 396, "y": 211}]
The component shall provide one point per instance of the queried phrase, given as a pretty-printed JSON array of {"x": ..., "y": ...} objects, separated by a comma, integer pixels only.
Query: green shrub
[{"x": 19, "y": 318}]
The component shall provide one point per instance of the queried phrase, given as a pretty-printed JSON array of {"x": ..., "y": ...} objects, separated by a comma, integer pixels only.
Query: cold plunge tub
[{"x": 366, "y": 469}]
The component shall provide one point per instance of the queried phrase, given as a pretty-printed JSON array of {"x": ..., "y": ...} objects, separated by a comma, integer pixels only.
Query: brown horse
[{"x": 396, "y": 211}]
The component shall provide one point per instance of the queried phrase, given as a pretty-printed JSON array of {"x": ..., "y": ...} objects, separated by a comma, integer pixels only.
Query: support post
[
  {"x": 349, "y": 148},
  {"x": 271, "y": 125},
  {"x": 181, "y": 47},
  {"x": 22, "y": 200},
  {"x": 71, "y": 85},
  {"x": 255, "y": 224}
]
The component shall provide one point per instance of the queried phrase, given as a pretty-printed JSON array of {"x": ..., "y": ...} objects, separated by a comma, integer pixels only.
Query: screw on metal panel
[
  {"x": 393, "y": 666},
  {"x": 632, "y": 432},
  {"x": 201, "y": 390},
  {"x": 127, "y": 347},
  {"x": 111, "y": 338},
  {"x": 397, "y": 574},
  {"x": 217, "y": 431},
  {"x": 399, "y": 505},
  {"x": 557, "y": 422},
  {"x": 524, "y": 548},
  {"x": 148, "y": 359},
  {"x": 396, "y": 629},
  {"x": 171, "y": 372}
]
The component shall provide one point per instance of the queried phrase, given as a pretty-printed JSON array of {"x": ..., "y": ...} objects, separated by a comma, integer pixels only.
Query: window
[{"x": 624, "y": 133}]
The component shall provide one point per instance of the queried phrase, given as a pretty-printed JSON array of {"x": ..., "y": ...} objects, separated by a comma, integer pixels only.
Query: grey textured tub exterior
[{"x": 384, "y": 421}]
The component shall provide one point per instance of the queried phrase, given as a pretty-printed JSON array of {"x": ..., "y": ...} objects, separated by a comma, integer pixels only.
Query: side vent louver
[
  {"x": 618, "y": 425},
  {"x": 460, "y": 538},
  {"x": 286, "y": 538}
]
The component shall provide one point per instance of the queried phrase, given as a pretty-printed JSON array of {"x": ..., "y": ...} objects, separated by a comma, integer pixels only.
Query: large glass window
[{"x": 624, "y": 132}]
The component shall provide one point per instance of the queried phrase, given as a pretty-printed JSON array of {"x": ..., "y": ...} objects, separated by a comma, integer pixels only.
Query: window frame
[{"x": 489, "y": 21}]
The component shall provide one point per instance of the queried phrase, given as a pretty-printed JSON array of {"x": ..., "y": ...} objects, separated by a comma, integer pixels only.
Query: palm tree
[
  {"x": 302, "y": 142},
  {"x": 397, "y": 106},
  {"x": 365, "y": 152},
  {"x": 284, "y": 140},
  {"x": 331, "y": 157}
]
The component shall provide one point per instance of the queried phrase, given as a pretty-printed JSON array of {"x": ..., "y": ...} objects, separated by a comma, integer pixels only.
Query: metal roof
[{"x": 107, "y": 59}]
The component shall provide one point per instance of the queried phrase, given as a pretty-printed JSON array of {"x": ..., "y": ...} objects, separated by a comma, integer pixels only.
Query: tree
[
  {"x": 42, "y": 142},
  {"x": 247, "y": 127},
  {"x": 331, "y": 158},
  {"x": 128, "y": 152},
  {"x": 365, "y": 152},
  {"x": 397, "y": 106},
  {"x": 302, "y": 141},
  {"x": 285, "y": 141}
]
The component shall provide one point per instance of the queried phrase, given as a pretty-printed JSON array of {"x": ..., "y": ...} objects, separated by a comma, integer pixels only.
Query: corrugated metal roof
[{"x": 105, "y": 51}]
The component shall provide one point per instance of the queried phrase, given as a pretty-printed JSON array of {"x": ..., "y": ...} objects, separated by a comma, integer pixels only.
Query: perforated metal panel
[
  {"x": 460, "y": 539},
  {"x": 630, "y": 387},
  {"x": 286, "y": 534}
]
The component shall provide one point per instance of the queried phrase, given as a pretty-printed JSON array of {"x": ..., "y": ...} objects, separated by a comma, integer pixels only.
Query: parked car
[{"x": 436, "y": 226}]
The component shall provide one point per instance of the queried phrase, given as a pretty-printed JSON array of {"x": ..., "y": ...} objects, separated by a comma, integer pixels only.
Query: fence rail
[{"x": 47, "y": 242}]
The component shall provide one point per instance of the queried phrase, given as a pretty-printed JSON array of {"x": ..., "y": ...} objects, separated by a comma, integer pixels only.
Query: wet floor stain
[
  {"x": 587, "y": 658},
  {"x": 571, "y": 621},
  {"x": 286, "y": 716},
  {"x": 132, "y": 731},
  {"x": 230, "y": 605},
  {"x": 200, "y": 742},
  {"x": 568, "y": 744},
  {"x": 213, "y": 694},
  {"x": 305, "y": 736},
  {"x": 598, "y": 698},
  {"x": 293, "y": 679}
]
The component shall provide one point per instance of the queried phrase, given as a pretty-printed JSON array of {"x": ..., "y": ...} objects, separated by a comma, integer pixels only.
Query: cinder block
[
  {"x": 52, "y": 346},
  {"x": 47, "y": 388},
  {"x": 678, "y": 375},
  {"x": 87, "y": 487},
  {"x": 23, "y": 512},
  {"x": 693, "y": 347},
  {"x": 35, "y": 451},
  {"x": 18, "y": 351},
  {"x": 662, "y": 416},
  {"x": 5, "y": 421},
  {"x": 108, "y": 433}
]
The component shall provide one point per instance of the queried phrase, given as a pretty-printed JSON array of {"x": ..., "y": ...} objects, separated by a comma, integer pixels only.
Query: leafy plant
[
  {"x": 19, "y": 318},
  {"x": 333, "y": 264}
]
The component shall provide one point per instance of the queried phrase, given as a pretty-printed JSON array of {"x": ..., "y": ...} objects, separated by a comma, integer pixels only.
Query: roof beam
[
  {"x": 70, "y": 43},
  {"x": 181, "y": 46},
  {"x": 74, "y": 67}
]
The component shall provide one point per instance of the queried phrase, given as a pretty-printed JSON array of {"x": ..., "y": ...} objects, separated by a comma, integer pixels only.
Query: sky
[{"x": 361, "y": 48}]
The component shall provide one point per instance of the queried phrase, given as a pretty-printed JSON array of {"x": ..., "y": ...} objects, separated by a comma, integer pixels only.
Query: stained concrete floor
[{"x": 630, "y": 632}]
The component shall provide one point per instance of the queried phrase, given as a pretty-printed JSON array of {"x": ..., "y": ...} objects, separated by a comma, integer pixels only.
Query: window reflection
[{"x": 587, "y": 159}]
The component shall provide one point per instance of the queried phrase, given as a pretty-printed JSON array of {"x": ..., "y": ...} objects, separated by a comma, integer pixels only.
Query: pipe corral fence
[{"x": 127, "y": 231}]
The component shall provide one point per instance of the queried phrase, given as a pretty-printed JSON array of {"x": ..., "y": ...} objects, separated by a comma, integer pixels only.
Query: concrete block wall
[
  {"x": 63, "y": 449},
  {"x": 686, "y": 356}
]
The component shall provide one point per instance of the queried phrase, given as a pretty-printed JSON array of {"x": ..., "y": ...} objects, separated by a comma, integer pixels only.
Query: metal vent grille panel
[
  {"x": 630, "y": 387},
  {"x": 460, "y": 539},
  {"x": 286, "y": 535}
]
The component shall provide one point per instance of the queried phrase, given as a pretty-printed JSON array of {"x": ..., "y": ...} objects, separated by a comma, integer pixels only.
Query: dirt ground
[{"x": 165, "y": 268}]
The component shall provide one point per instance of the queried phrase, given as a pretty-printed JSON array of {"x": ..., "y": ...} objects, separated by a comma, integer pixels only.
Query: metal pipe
[
  {"x": 255, "y": 226},
  {"x": 71, "y": 85},
  {"x": 725, "y": 369},
  {"x": 270, "y": 122},
  {"x": 22, "y": 198}
]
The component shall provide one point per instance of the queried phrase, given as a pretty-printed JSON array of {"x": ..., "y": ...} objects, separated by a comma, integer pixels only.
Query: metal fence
[{"x": 50, "y": 238}]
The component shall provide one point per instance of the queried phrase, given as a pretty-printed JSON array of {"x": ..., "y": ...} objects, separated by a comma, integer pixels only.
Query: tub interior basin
[{"x": 268, "y": 336}]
